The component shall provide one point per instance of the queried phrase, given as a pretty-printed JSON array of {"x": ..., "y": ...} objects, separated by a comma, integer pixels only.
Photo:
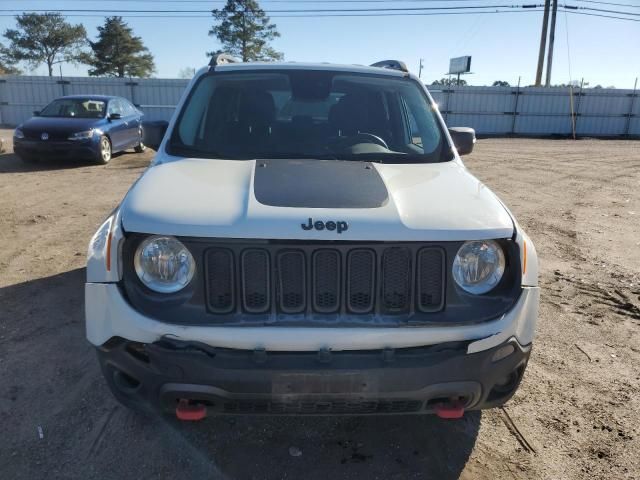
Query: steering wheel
[{"x": 360, "y": 137}]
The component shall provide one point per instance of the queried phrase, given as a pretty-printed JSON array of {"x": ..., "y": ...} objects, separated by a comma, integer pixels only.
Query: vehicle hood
[
  {"x": 235, "y": 199},
  {"x": 58, "y": 125}
]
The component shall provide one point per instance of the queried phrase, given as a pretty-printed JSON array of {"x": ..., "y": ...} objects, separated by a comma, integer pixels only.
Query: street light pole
[
  {"x": 543, "y": 42},
  {"x": 552, "y": 36}
]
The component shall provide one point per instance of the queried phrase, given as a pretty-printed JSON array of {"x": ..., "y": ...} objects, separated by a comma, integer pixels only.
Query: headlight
[
  {"x": 82, "y": 135},
  {"x": 164, "y": 264},
  {"x": 18, "y": 133},
  {"x": 478, "y": 266}
]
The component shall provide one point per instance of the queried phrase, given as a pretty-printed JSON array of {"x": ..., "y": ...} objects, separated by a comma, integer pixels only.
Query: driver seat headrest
[{"x": 359, "y": 112}]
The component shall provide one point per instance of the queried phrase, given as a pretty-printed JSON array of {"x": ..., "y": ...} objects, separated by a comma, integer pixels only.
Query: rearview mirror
[
  {"x": 463, "y": 138},
  {"x": 115, "y": 116},
  {"x": 36, "y": 113},
  {"x": 153, "y": 133}
]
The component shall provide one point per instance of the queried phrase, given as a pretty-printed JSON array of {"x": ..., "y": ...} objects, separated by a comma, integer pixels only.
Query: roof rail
[
  {"x": 392, "y": 64},
  {"x": 222, "y": 59}
]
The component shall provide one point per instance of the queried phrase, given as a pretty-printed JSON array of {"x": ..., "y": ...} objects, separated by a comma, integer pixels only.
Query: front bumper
[
  {"x": 109, "y": 315},
  {"x": 409, "y": 381},
  {"x": 85, "y": 149},
  {"x": 288, "y": 370}
]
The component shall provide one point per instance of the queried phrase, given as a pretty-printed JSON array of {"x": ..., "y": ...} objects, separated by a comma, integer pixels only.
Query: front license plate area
[{"x": 322, "y": 383}]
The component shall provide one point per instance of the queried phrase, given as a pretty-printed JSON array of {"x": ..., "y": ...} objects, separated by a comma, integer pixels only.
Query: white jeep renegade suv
[{"x": 308, "y": 241}]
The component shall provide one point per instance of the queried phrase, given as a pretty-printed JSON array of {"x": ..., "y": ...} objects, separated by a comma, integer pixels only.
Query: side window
[
  {"x": 414, "y": 132},
  {"x": 422, "y": 130},
  {"x": 128, "y": 108},
  {"x": 114, "y": 107}
]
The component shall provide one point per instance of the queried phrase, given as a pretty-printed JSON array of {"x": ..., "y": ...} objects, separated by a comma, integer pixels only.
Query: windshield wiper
[
  {"x": 295, "y": 155},
  {"x": 193, "y": 151}
]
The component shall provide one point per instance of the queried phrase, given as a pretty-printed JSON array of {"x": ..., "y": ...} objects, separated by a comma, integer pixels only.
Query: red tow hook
[
  {"x": 190, "y": 412},
  {"x": 451, "y": 410}
]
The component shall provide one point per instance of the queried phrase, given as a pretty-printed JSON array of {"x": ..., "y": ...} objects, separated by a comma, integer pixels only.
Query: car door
[
  {"x": 117, "y": 126},
  {"x": 132, "y": 123}
]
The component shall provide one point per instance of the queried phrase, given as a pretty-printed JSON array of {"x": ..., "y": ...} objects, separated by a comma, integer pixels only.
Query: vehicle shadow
[
  {"x": 51, "y": 380},
  {"x": 11, "y": 163},
  {"x": 333, "y": 447}
]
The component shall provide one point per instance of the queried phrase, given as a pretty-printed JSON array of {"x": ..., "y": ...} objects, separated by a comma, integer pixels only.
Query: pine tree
[
  {"x": 7, "y": 64},
  {"x": 118, "y": 53},
  {"x": 245, "y": 30}
]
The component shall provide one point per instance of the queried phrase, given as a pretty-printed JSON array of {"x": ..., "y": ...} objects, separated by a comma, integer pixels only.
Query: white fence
[
  {"x": 499, "y": 111},
  {"x": 21, "y": 95}
]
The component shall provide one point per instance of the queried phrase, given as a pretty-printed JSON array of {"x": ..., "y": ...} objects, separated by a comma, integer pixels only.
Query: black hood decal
[{"x": 319, "y": 184}]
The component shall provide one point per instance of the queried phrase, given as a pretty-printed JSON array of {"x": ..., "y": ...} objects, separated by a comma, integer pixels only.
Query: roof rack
[
  {"x": 392, "y": 64},
  {"x": 222, "y": 59}
]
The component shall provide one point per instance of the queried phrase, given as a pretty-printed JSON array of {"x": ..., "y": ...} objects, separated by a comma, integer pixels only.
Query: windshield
[
  {"x": 308, "y": 114},
  {"x": 74, "y": 108}
]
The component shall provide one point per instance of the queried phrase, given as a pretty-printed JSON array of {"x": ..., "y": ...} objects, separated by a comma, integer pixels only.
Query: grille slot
[
  {"x": 220, "y": 280},
  {"x": 326, "y": 281},
  {"x": 256, "y": 294},
  {"x": 431, "y": 268},
  {"x": 319, "y": 407},
  {"x": 361, "y": 266},
  {"x": 396, "y": 277},
  {"x": 292, "y": 281}
]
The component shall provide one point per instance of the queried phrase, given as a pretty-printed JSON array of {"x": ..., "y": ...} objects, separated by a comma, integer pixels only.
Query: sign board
[{"x": 460, "y": 64}]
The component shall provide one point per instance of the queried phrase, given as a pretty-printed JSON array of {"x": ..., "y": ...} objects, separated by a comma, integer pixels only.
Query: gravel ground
[{"x": 578, "y": 408}]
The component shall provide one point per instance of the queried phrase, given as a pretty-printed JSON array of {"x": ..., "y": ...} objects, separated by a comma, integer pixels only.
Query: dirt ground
[{"x": 578, "y": 408}]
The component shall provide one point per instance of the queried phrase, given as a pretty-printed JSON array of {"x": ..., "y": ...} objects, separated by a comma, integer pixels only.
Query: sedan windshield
[
  {"x": 74, "y": 108},
  {"x": 309, "y": 114}
]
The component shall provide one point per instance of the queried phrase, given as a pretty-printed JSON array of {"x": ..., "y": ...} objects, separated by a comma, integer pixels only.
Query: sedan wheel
[
  {"x": 104, "y": 155},
  {"x": 141, "y": 147}
]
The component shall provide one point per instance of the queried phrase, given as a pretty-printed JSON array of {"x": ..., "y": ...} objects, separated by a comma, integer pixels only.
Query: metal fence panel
[{"x": 490, "y": 110}]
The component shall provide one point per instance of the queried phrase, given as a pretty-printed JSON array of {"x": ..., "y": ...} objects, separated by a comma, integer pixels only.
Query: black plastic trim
[{"x": 224, "y": 379}]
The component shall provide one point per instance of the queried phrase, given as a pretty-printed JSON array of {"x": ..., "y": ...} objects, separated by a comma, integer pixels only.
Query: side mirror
[
  {"x": 153, "y": 133},
  {"x": 115, "y": 116},
  {"x": 36, "y": 113},
  {"x": 463, "y": 138}
]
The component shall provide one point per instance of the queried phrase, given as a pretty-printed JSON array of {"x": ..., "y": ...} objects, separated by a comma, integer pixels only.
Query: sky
[{"x": 503, "y": 46}]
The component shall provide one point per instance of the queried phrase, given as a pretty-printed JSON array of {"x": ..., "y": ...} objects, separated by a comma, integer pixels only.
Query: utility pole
[
  {"x": 551, "y": 40},
  {"x": 543, "y": 42},
  {"x": 420, "y": 69}
]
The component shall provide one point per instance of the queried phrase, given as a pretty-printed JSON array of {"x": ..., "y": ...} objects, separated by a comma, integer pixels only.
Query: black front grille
[
  {"x": 325, "y": 279},
  {"x": 361, "y": 268},
  {"x": 256, "y": 294},
  {"x": 220, "y": 270},
  {"x": 291, "y": 281},
  {"x": 431, "y": 270},
  {"x": 51, "y": 136},
  {"x": 396, "y": 279}
]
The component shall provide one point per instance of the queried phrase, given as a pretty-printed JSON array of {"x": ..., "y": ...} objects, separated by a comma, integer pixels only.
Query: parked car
[
  {"x": 89, "y": 127},
  {"x": 307, "y": 240}
]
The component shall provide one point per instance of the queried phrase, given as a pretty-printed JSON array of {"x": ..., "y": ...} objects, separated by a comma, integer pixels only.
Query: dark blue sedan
[{"x": 90, "y": 127}]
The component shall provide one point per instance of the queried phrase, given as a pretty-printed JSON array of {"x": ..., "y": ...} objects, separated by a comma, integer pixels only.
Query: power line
[
  {"x": 276, "y": 1},
  {"x": 566, "y": 30},
  {"x": 328, "y": 15},
  {"x": 354, "y": 12},
  {"x": 630, "y": 5},
  {"x": 603, "y": 10},
  {"x": 308, "y": 10},
  {"x": 603, "y": 16}
]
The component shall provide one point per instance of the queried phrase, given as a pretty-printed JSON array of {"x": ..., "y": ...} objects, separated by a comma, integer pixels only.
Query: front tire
[
  {"x": 104, "y": 151},
  {"x": 141, "y": 147}
]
